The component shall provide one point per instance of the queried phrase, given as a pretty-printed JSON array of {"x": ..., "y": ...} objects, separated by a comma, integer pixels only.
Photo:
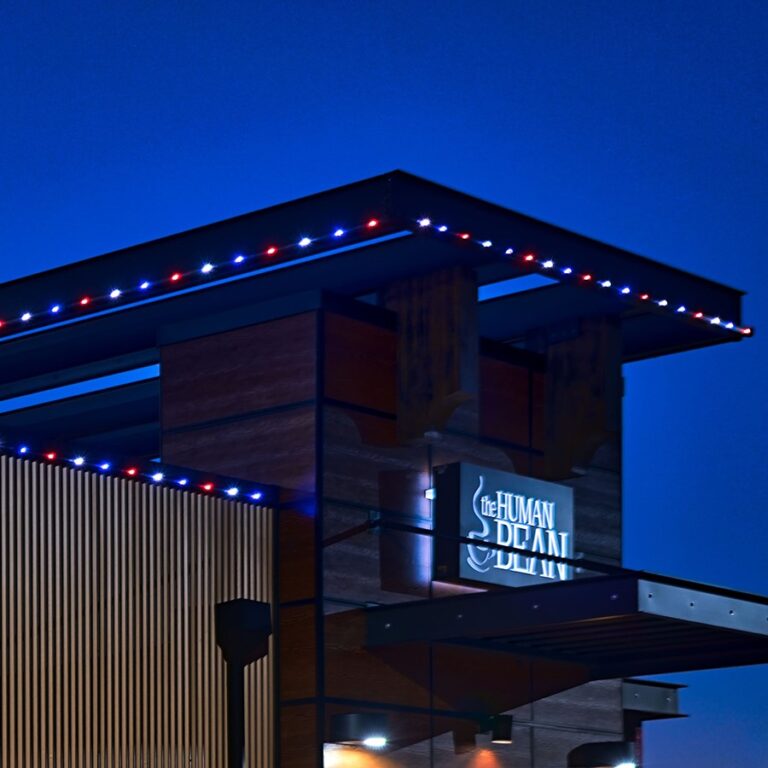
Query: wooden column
[{"x": 437, "y": 352}]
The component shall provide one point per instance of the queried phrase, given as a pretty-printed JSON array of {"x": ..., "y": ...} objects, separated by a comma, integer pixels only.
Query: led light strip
[
  {"x": 156, "y": 476},
  {"x": 564, "y": 272},
  {"x": 176, "y": 281}
]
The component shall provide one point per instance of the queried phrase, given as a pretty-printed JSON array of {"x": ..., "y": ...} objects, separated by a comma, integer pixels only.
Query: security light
[
  {"x": 603, "y": 754},
  {"x": 361, "y": 729}
]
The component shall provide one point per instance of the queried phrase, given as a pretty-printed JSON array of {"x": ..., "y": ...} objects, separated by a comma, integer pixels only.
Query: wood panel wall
[{"x": 107, "y": 594}]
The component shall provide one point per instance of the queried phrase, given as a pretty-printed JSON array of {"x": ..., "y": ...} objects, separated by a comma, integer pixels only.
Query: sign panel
[{"x": 494, "y": 507}]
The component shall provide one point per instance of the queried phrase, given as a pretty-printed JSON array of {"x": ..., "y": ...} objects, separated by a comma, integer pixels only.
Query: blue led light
[
  {"x": 183, "y": 481},
  {"x": 233, "y": 491},
  {"x": 338, "y": 233},
  {"x": 23, "y": 449},
  {"x": 304, "y": 242},
  {"x": 104, "y": 466},
  {"x": 605, "y": 283},
  {"x": 425, "y": 222},
  {"x": 143, "y": 286},
  {"x": 239, "y": 259},
  {"x": 442, "y": 228},
  {"x": 157, "y": 477},
  {"x": 78, "y": 461},
  {"x": 55, "y": 309},
  {"x": 207, "y": 268},
  {"x": 567, "y": 271},
  {"x": 625, "y": 290},
  {"x": 548, "y": 264},
  {"x": 256, "y": 496}
]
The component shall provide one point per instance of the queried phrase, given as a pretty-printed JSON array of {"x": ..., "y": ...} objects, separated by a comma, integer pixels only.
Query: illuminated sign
[{"x": 493, "y": 507}]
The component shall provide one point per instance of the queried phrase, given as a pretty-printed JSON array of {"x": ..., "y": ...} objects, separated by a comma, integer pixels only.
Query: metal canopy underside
[
  {"x": 616, "y": 626},
  {"x": 398, "y": 199}
]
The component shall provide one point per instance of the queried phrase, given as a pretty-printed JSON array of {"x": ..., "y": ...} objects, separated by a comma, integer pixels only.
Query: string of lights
[
  {"x": 155, "y": 474},
  {"x": 566, "y": 273},
  {"x": 179, "y": 280},
  {"x": 175, "y": 281}
]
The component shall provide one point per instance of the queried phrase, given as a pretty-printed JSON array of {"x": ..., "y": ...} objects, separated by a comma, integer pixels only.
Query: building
[{"x": 317, "y": 406}]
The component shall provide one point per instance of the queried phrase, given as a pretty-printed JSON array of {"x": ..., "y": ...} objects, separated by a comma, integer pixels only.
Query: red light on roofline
[
  {"x": 746, "y": 331},
  {"x": 207, "y": 486},
  {"x": 529, "y": 257},
  {"x": 586, "y": 277},
  {"x": 464, "y": 235},
  {"x": 51, "y": 455},
  {"x": 85, "y": 301},
  {"x": 372, "y": 223},
  {"x": 271, "y": 251},
  {"x": 644, "y": 296},
  {"x": 176, "y": 276},
  {"x": 699, "y": 315},
  {"x": 132, "y": 471}
]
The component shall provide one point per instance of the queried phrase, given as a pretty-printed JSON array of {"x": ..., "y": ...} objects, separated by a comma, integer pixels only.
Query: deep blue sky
[{"x": 639, "y": 123}]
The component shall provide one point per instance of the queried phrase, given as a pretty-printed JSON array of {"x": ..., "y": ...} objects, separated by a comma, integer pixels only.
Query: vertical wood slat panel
[{"x": 107, "y": 643}]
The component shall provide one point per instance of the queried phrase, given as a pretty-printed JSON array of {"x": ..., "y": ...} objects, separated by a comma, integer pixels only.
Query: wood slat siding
[{"x": 107, "y": 648}]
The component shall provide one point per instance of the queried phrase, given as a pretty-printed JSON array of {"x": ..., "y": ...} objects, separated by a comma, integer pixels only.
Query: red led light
[
  {"x": 699, "y": 315},
  {"x": 85, "y": 301},
  {"x": 271, "y": 251},
  {"x": 51, "y": 455},
  {"x": 464, "y": 235},
  {"x": 1, "y": 323},
  {"x": 372, "y": 223},
  {"x": 529, "y": 257},
  {"x": 644, "y": 296},
  {"x": 207, "y": 486},
  {"x": 132, "y": 471},
  {"x": 586, "y": 277},
  {"x": 176, "y": 276},
  {"x": 746, "y": 331}
]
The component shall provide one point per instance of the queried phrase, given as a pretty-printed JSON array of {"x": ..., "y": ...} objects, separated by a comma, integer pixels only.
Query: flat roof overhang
[
  {"x": 104, "y": 337},
  {"x": 615, "y": 626}
]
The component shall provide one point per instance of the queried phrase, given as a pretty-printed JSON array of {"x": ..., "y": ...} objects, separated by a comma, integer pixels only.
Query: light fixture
[
  {"x": 239, "y": 259},
  {"x": 26, "y": 317},
  {"x": 603, "y": 754},
  {"x": 339, "y": 232},
  {"x": 430, "y": 494},
  {"x": 115, "y": 293},
  {"x": 425, "y": 222},
  {"x": 207, "y": 268},
  {"x": 361, "y": 729},
  {"x": 304, "y": 242},
  {"x": 501, "y": 729},
  {"x": 144, "y": 285}
]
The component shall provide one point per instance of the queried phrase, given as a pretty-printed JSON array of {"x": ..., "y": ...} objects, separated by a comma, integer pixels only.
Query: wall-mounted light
[
  {"x": 501, "y": 729},
  {"x": 361, "y": 729},
  {"x": 603, "y": 754}
]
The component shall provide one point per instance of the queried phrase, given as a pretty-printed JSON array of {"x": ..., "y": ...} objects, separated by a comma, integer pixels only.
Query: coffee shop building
[{"x": 392, "y": 413}]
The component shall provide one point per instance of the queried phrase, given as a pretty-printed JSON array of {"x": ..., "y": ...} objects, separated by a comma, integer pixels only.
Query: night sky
[{"x": 639, "y": 123}]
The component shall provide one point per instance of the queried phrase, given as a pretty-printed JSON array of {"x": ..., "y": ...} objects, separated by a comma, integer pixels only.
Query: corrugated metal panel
[{"x": 107, "y": 594}]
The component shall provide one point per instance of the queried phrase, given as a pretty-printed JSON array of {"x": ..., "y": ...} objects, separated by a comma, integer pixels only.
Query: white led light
[
  {"x": 442, "y": 228},
  {"x": 681, "y": 308},
  {"x": 338, "y": 233},
  {"x": 548, "y": 264},
  {"x": 375, "y": 742},
  {"x": 78, "y": 461},
  {"x": 663, "y": 303},
  {"x": 626, "y": 765},
  {"x": 425, "y": 222},
  {"x": 207, "y": 268},
  {"x": 605, "y": 283},
  {"x": 567, "y": 271},
  {"x": 509, "y": 251},
  {"x": 158, "y": 476},
  {"x": 239, "y": 259},
  {"x": 625, "y": 290},
  {"x": 729, "y": 326},
  {"x": 304, "y": 242},
  {"x": 430, "y": 494},
  {"x": 115, "y": 293},
  {"x": 233, "y": 491},
  {"x": 715, "y": 321},
  {"x": 24, "y": 449},
  {"x": 486, "y": 243},
  {"x": 144, "y": 285},
  {"x": 26, "y": 317},
  {"x": 55, "y": 309}
]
